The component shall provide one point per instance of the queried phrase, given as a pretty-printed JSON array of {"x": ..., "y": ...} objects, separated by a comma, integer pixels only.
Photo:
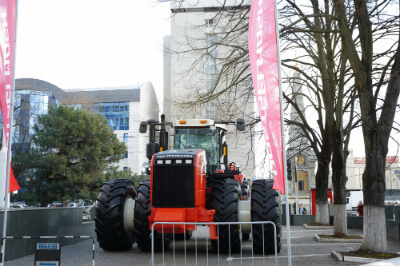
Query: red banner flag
[
  {"x": 264, "y": 62},
  {"x": 13, "y": 182},
  {"x": 7, "y": 49}
]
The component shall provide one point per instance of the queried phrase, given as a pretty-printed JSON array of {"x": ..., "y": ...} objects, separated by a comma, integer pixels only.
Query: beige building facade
[{"x": 355, "y": 167}]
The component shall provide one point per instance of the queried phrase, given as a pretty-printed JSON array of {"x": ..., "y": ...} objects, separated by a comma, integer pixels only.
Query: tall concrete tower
[
  {"x": 299, "y": 147},
  {"x": 149, "y": 109},
  {"x": 192, "y": 63}
]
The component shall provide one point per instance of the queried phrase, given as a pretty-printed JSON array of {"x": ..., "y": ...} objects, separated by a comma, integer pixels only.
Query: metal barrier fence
[
  {"x": 45, "y": 237},
  {"x": 178, "y": 260}
]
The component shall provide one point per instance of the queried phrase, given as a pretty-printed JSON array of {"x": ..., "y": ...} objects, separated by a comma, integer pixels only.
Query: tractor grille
[{"x": 173, "y": 186}]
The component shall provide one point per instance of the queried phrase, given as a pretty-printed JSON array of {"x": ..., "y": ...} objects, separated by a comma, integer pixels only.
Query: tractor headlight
[
  {"x": 168, "y": 161},
  {"x": 178, "y": 161},
  {"x": 160, "y": 162},
  {"x": 188, "y": 161}
]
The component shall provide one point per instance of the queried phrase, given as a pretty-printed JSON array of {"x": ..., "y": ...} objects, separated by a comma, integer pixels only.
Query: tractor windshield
[{"x": 201, "y": 138}]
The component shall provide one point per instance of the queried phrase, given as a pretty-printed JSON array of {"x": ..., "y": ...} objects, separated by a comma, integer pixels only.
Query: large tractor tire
[
  {"x": 245, "y": 189},
  {"x": 265, "y": 206},
  {"x": 224, "y": 197},
  {"x": 109, "y": 221},
  {"x": 142, "y": 213}
]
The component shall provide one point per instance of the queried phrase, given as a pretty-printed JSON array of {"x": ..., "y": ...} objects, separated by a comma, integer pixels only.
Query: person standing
[
  {"x": 360, "y": 209},
  {"x": 294, "y": 208},
  {"x": 302, "y": 210}
]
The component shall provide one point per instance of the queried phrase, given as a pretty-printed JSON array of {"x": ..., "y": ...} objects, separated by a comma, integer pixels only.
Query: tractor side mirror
[
  {"x": 143, "y": 126},
  {"x": 240, "y": 124},
  {"x": 146, "y": 168}
]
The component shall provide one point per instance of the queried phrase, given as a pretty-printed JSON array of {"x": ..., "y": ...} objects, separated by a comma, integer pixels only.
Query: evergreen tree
[{"x": 71, "y": 152}]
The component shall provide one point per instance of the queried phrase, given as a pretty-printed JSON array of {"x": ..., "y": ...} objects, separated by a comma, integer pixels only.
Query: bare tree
[
  {"x": 376, "y": 125},
  {"x": 314, "y": 31},
  {"x": 233, "y": 78},
  {"x": 329, "y": 73}
]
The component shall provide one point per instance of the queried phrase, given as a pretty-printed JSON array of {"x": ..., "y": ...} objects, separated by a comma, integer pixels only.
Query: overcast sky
[
  {"x": 98, "y": 43},
  {"x": 91, "y": 43}
]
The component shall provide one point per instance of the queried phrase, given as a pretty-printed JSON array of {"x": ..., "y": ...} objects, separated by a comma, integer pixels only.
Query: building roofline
[
  {"x": 207, "y": 9},
  {"x": 81, "y": 96}
]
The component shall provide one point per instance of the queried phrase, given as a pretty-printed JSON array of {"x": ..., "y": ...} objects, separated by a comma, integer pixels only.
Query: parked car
[
  {"x": 87, "y": 212},
  {"x": 17, "y": 206},
  {"x": 56, "y": 204}
]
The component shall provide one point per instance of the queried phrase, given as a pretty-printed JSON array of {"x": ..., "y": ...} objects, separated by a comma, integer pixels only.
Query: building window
[
  {"x": 29, "y": 105},
  {"x": 126, "y": 154},
  {"x": 125, "y": 137},
  {"x": 301, "y": 185},
  {"x": 117, "y": 114},
  {"x": 210, "y": 23},
  {"x": 125, "y": 169},
  {"x": 210, "y": 64},
  {"x": 211, "y": 71}
]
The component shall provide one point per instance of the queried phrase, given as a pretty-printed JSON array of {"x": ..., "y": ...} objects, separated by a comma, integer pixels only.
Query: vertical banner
[
  {"x": 264, "y": 62},
  {"x": 7, "y": 49}
]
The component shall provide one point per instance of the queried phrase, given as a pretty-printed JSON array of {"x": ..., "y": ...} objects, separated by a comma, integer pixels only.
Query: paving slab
[
  {"x": 341, "y": 240},
  {"x": 317, "y": 227},
  {"x": 304, "y": 251}
]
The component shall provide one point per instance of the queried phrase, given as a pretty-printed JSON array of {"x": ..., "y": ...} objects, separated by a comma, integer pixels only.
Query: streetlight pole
[
  {"x": 390, "y": 176},
  {"x": 397, "y": 155},
  {"x": 296, "y": 186}
]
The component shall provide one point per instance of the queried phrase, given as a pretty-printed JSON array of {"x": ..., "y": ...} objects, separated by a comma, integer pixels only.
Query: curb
[
  {"x": 316, "y": 236},
  {"x": 317, "y": 227},
  {"x": 337, "y": 255},
  {"x": 358, "y": 259},
  {"x": 340, "y": 258}
]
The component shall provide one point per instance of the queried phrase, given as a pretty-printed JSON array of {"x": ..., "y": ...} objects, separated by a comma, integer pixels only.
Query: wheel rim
[
  {"x": 129, "y": 214},
  {"x": 244, "y": 213}
]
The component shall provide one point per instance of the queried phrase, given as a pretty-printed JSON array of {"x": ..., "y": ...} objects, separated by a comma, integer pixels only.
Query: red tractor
[{"x": 191, "y": 183}]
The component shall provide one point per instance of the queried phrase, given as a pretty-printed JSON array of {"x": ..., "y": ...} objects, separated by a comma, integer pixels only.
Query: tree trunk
[
  {"x": 340, "y": 220},
  {"x": 374, "y": 229},
  {"x": 339, "y": 180},
  {"x": 321, "y": 198},
  {"x": 374, "y": 192},
  {"x": 322, "y": 213}
]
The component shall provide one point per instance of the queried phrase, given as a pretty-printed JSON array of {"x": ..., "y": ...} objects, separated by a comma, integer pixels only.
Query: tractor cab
[{"x": 203, "y": 134}]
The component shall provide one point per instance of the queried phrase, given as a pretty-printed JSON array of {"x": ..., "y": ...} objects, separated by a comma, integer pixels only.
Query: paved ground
[{"x": 305, "y": 251}]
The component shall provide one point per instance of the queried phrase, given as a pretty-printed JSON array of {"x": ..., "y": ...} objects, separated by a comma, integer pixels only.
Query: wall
[
  {"x": 42, "y": 222},
  {"x": 393, "y": 222},
  {"x": 392, "y": 214}
]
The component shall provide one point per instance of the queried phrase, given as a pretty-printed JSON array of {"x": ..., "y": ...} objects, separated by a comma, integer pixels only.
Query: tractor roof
[{"x": 198, "y": 123}]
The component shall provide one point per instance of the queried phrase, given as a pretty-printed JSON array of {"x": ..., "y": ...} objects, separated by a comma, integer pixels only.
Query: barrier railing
[
  {"x": 175, "y": 260},
  {"x": 46, "y": 237}
]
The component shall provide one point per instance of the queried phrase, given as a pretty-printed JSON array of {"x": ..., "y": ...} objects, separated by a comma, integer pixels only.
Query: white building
[
  {"x": 123, "y": 107},
  {"x": 355, "y": 167}
]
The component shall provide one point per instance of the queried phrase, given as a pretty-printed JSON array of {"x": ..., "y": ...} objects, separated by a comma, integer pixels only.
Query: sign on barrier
[{"x": 47, "y": 254}]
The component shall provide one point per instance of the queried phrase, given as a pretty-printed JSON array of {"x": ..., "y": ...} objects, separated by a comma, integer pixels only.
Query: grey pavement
[
  {"x": 305, "y": 251},
  {"x": 392, "y": 262}
]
